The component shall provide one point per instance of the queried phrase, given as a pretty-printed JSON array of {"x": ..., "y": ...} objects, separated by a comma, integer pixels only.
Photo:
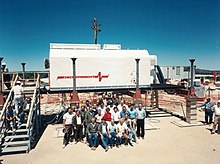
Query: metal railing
[
  {"x": 24, "y": 77},
  {"x": 5, "y": 107},
  {"x": 34, "y": 113}
]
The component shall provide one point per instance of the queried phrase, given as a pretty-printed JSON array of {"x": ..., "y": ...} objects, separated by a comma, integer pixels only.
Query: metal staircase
[{"x": 21, "y": 139}]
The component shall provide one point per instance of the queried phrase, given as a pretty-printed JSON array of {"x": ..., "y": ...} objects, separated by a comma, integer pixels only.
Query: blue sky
[{"x": 174, "y": 30}]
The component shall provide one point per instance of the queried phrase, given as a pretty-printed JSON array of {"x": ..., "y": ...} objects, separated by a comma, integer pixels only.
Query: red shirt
[{"x": 108, "y": 116}]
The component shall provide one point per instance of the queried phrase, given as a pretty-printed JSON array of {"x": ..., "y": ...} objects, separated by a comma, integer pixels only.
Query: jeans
[
  {"x": 208, "y": 116},
  {"x": 132, "y": 135},
  {"x": 8, "y": 124},
  {"x": 113, "y": 138},
  {"x": 93, "y": 139},
  {"x": 105, "y": 140}
]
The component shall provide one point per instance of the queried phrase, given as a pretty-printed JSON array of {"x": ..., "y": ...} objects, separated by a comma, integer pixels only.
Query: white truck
[{"x": 98, "y": 67}]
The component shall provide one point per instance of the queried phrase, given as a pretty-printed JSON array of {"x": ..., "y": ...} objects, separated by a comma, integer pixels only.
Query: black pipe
[
  {"x": 137, "y": 73},
  {"x": 192, "y": 71}
]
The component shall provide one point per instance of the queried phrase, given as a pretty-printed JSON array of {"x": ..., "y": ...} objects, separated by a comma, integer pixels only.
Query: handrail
[
  {"x": 33, "y": 102},
  {"x": 8, "y": 98}
]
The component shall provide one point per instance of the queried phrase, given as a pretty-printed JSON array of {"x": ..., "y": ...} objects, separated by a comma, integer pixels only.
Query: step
[
  {"x": 16, "y": 143},
  {"x": 160, "y": 115},
  {"x": 18, "y": 131},
  {"x": 159, "y": 112},
  {"x": 22, "y": 125},
  {"x": 16, "y": 137},
  {"x": 15, "y": 149}
]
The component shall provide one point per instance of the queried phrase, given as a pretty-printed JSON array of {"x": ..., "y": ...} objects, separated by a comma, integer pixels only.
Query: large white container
[{"x": 98, "y": 68}]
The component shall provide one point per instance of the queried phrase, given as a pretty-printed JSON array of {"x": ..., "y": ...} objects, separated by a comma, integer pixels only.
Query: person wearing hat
[
  {"x": 4, "y": 68},
  {"x": 216, "y": 110},
  {"x": 6, "y": 77},
  {"x": 208, "y": 110},
  {"x": 18, "y": 91}
]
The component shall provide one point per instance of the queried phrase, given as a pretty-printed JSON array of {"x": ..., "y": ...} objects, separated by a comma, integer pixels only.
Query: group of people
[
  {"x": 18, "y": 111},
  {"x": 106, "y": 125},
  {"x": 211, "y": 109}
]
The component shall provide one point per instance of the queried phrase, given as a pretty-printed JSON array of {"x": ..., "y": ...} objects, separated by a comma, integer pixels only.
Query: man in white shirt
[
  {"x": 18, "y": 91},
  {"x": 216, "y": 110},
  {"x": 67, "y": 126},
  {"x": 116, "y": 115},
  {"x": 122, "y": 131}
]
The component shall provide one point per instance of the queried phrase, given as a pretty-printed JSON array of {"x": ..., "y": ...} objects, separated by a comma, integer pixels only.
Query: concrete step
[
  {"x": 16, "y": 143},
  {"x": 16, "y": 137},
  {"x": 15, "y": 149}
]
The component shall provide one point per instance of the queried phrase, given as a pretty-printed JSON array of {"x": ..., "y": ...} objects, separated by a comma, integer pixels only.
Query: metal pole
[
  {"x": 96, "y": 28},
  {"x": 74, "y": 73},
  {"x": 137, "y": 73},
  {"x": 1, "y": 58},
  {"x": 192, "y": 70},
  {"x": 23, "y": 68}
]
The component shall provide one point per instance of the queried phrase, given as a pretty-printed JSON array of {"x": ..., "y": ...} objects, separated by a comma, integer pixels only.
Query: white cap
[
  {"x": 3, "y": 63},
  {"x": 18, "y": 82}
]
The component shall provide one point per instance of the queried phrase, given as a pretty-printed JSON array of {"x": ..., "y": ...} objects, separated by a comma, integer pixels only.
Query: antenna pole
[{"x": 96, "y": 28}]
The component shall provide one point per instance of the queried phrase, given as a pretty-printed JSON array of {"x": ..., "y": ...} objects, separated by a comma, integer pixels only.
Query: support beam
[{"x": 75, "y": 97}]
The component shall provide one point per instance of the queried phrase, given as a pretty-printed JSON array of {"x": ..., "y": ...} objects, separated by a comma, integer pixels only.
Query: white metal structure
[
  {"x": 176, "y": 72},
  {"x": 97, "y": 68}
]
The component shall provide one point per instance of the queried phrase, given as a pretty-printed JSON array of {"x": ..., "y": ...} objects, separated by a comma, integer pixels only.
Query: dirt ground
[{"x": 168, "y": 144}]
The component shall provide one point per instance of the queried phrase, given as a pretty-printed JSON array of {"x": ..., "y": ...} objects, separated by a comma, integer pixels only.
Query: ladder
[{"x": 20, "y": 139}]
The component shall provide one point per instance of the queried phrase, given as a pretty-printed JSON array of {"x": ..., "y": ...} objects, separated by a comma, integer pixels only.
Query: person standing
[
  {"x": 116, "y": 115},
  {"x": 88, "y": 117},
  {"x": 141, "y": 115},
  {"x": 216, "y": 110},
  {"x": 108, "y": 115},
  {"x": 6, "y": 77},
  {"x": 78, "y": 126},
  {"x": 67, "y": 126},
  {"x": 208, "y": 110},
  {"x": 18, "y": 91}
]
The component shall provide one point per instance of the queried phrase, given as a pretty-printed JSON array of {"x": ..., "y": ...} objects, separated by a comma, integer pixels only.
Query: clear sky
[{"x": 174, "y": 30}]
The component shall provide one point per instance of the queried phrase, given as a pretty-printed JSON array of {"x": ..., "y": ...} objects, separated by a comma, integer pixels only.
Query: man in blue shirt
[
  {"x": 133, "y": 113},
  {"x": 124, "y": 112},
  {"x": 141, "y": 115},
  {"x": 208, "y": 110}
]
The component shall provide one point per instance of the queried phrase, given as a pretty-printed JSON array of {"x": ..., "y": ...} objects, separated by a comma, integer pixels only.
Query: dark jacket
[
  {"x": 75, "y": 122},
  {"x": 93, "y": 129},
  {"x": 88, "y": 118}
]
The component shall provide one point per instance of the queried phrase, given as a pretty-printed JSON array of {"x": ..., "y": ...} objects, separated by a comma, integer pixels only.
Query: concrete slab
[
  {"x": 185, "y": 124},
  {"x": 170, "y": 144}
]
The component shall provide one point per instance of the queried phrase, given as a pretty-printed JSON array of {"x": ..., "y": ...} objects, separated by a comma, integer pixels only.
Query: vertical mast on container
[{"x": 96, "y": 28}]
